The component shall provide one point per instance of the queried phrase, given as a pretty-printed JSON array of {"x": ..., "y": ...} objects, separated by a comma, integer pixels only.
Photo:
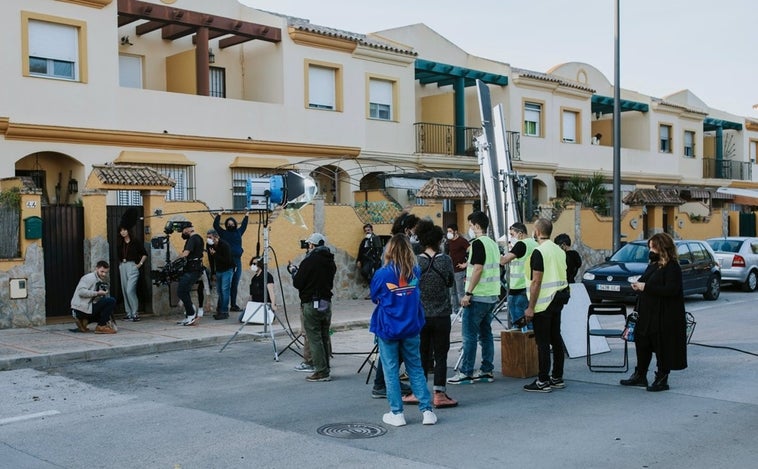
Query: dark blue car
[{"x": 612, "y": 280}]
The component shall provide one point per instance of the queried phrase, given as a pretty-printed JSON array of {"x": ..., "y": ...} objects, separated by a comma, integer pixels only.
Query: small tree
[{"x": 589, "y": 191}]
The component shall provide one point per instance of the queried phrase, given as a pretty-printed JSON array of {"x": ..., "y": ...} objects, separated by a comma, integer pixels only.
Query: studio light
[{"x": 291, "y": 190}]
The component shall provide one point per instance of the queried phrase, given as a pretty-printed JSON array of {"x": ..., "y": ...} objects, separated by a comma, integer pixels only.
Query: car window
[
  {"x": 754, "y": 247},
  {"x": 683, "y": 252},
  {"x": 631, "y": 253},
  {"x": 699, "y": 253},
  {"x": 725, "y": 245}
]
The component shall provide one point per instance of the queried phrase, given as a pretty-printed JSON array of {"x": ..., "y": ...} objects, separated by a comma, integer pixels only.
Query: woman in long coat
[{"x": 661, "y": 327}]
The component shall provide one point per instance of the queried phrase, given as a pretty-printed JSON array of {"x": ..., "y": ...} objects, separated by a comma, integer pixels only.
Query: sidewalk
[{"x": 53, "y": 344}]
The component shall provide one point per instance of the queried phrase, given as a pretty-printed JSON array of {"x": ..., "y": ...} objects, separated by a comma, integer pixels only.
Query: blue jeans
[
  {"x": 476, "y": 324},
  {"x": 517, "y": 305},
  {"x": 457, "y": 290},
  {"x": 223, "y": 284},
  {"x": 235, "y": 281},
  {"x": 389, "y": 352}
]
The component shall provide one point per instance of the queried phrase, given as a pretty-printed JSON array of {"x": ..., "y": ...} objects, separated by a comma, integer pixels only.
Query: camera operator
[
  {"x": 193, "y": 253},
  {"x": 314, "y": 280},
  {"x": 91, "y": 302}
]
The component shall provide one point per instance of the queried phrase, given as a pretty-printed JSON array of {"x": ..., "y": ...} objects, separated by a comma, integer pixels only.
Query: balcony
[
  {"x": 444, "y": 139},
  {"x": 727, "y": 169}
]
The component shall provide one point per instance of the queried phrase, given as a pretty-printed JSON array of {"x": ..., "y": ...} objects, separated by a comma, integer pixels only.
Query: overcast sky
[{"x": 666, "y": 45}]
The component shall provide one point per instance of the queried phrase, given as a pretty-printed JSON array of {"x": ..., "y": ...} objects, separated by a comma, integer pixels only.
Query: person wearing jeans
[
  {"x": 221, "y": 253},
  {"x": 232, "y": 234},
  {"x": 91, "y": 302}
]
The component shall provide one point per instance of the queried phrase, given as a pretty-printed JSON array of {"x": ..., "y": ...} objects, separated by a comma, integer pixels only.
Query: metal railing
[
  {"x": 727, "y": 169},
  {"x": 454, "y": 140}
]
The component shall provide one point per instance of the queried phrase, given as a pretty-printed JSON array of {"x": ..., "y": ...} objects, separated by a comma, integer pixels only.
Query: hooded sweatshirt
[
  {"x": 233, "y": 237},
  {"x": 315, "y": 276},
  {"x": 398, "y": 313}
]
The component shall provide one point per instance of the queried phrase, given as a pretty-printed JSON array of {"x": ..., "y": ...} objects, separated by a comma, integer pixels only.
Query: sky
[{"x": 665, "y": 45}]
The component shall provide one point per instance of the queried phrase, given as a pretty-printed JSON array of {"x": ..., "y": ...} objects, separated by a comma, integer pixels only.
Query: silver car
[{"x": 738, "y": 256}]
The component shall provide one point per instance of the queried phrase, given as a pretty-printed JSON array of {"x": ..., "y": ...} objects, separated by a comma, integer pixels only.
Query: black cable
[
  {"x": 284, "y": 303},
  {"x": 725, "y": 347}
]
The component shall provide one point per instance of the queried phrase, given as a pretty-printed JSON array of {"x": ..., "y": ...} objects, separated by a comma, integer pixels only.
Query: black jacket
[
  {"x": 221, "y": 256},
  {"x": 315, "y": 277},
  {"x": 661, "y": 311}
]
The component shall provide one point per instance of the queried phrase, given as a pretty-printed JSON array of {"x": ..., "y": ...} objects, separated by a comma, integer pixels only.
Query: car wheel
[
  {"x": 751, "y": 282},
  {"x": 713, "y": 289}
]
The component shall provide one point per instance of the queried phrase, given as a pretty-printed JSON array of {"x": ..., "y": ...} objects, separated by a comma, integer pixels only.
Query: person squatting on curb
[{"x": 91, "y": 302}]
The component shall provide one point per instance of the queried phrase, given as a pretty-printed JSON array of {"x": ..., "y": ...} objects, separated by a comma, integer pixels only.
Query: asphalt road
[{"x": 202, "y": 408}]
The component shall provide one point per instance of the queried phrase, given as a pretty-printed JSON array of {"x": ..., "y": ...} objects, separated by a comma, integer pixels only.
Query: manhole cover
[{"x": 351, "y": 430}]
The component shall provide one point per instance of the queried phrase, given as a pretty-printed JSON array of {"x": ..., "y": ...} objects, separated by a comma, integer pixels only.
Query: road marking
[{"x": 21, "y": 418}]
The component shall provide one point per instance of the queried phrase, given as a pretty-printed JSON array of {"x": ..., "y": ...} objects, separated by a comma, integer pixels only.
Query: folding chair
[{"x": 607, "y": 310}]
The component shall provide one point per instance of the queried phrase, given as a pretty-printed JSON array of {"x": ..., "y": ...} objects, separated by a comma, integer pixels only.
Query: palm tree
[{"x": 589, "y": 191}]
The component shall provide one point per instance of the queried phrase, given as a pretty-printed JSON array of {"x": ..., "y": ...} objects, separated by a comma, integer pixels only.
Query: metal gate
[
  {"x": 114, "y": 214},
  {"x": 63, "y": 248},
  {"x": 747, "y": 224}
]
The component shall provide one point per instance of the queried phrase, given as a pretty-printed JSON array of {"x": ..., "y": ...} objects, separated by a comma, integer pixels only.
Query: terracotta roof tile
[
  {"x": 123, "y": 175},
  {"x": 449, "y": 188},
  {"x": 653, "y": 197}
]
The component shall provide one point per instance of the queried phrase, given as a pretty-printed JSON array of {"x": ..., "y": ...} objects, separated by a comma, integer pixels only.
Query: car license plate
[{"x": 609, "y": 287}]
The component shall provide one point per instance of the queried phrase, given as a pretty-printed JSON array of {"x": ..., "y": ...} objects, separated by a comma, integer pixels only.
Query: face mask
[
  {"x": 368, "y": 235},
  {"x": 450, "y": 236},
  {"x": 471, "y": 233},
  {"x": 414, "y": 238},
  {"x": 185, "y": 235},
  {"x": 230, "y": 227},
  {"x": 514, "y": 240},
  {"x": 210, "y": 241},
  {"x": 654, "y": 256},
  {"x": 254, "y": 268}
]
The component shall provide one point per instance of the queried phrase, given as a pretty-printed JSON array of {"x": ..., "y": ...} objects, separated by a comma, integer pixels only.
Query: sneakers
[
  {"x": 410, "y": 399},
  {"x": 106, "y": 329},
  {"x": 81, "y": 324},
  {"x": 316, "y": 377},
  {"x": 442, "y": 400},
  {"x": 397, "y": 420},
  {"x": 480, "y": 377},
  {"x": 235, "y": 309},
  {"x": 429, "y": 418},
  {"x": 460, "y": 378},
  {"x": 538, "y": 386},
  {"x": 557, "y": 383},
  {"x": 190, "y": 321},
  {"x": 220, "y": 316},
  {"x": 200, "y": 311},
  {"x": 304, "y": 367},
  {"x": 379, "y": 393},
  {"x": 136, "y": 319}
]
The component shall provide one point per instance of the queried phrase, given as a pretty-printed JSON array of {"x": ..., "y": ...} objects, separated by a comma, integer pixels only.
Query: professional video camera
[{"x": 171, "y": 270}]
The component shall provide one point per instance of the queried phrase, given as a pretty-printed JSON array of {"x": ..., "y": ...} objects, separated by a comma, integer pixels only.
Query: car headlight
[
  {"x": 588, "y": 276},
  {"x": 634, "y": 278}
]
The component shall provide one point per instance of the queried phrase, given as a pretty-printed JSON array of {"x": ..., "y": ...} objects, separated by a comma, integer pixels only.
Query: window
[
  {"x": 324, "y": 87},
  {"x": 532, "y": 119},
  {"x": 753, "y": 151},
  {"x": 569, "y": 126},
  {"x": 130, "y": 71},
  {"x": 664, "y": 133},
  {"x": 53, "y": 47},
  {"x": 689, "y": 143},
  {"x": 184, "y": 176},
  {"x": 381, "y": 97},
  {"x": 239, "y": 185},
  {"x": 218, "y": 82}
]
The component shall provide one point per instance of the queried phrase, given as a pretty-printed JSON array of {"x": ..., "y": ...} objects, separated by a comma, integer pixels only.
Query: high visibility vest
[
  {"x": 489, "y": 282},
  {"x": 518, "y": 266},
  {"x": 553, "y": 277}
]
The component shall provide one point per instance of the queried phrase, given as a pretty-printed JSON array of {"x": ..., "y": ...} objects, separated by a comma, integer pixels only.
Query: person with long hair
[
  {"x": 132, "y": 256},
  {"x": 661, "y": 326},
  {"x": 396, "y": 322}
]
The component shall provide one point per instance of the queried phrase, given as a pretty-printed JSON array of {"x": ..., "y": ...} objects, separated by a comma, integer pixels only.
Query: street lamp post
[{"x": 616, "y": 136}]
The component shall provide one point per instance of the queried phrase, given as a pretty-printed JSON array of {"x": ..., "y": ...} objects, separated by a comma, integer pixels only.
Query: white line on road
[{"x": 21, "y": 418}]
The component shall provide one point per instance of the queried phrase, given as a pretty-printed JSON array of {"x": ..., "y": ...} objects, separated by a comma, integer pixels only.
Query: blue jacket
[
  {"x": 233, "y": 237},
  {"x": 398, "y": 313}
]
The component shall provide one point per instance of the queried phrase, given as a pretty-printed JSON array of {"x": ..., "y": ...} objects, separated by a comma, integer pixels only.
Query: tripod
[{"x": 267, "y": 332}]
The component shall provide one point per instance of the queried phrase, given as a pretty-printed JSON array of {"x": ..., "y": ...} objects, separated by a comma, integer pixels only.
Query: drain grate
[{"x": 351, "y": 430}]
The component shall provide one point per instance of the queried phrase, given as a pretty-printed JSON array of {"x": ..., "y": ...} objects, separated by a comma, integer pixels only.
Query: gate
[
  {"x": 114, "y": 214},
  {"x": 747, "y": 224},
  {"x": 63, "y": 248}
]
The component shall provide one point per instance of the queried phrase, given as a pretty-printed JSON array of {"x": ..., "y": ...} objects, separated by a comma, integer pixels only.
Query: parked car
[
  {"x": 612, "y": 280},
  {"x": 738, "y": 256}
]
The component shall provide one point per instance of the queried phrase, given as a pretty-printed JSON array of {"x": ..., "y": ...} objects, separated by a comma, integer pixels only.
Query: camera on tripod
[{"x": 303, "y": 244}]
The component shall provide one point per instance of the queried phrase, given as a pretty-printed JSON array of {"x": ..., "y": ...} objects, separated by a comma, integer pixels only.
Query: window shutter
[
  {"x": 321, "y": 87},
  {"x": 53, "y": 41}
]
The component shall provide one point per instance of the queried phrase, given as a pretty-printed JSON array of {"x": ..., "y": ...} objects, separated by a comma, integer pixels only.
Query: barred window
[
  {"x": 184, "y": 176},
  {"x": 239, "y": 185}
]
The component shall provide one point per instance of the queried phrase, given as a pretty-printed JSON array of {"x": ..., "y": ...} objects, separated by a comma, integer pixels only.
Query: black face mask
[
  {"x": 230, "y": 227},
  {"x": 654, "y": 256},
  {"x": 185, "y": 236}
]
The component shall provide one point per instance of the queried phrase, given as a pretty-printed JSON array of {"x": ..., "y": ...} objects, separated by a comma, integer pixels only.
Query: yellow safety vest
[
  {"x": 489, "y": 282},
  {"x": 553, "y": 277},
  {"x": 518, "y": 266}
]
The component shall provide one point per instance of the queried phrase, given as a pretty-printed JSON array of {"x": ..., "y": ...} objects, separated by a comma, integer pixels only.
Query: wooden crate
[{"x": 518, "y": 352}]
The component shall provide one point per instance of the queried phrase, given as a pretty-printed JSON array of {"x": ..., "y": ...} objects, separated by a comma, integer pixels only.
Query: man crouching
[{"x": 91, "y": 302}]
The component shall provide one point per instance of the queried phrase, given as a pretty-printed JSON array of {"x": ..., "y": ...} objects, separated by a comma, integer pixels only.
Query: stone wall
[{"x": 29, "y": 311}]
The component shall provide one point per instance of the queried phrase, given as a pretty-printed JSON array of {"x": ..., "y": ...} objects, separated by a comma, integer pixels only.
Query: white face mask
[
  {"x": 254, "y": 268},
  {"x": 210, "y": 241},
  {"x": 514, "y": 240},
  {"x": 368, "y": 235},
  {"x": 471, "y": 233},
  {"x": 450, "y": 235}
]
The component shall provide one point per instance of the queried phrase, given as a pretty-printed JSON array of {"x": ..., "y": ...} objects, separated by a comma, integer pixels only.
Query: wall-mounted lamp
[
  {"x": 211, "y": 56},
  {"x": 598, "y": 115},
  {"x": 125, "y": 41},
  {"x": 73, "y": 184}
]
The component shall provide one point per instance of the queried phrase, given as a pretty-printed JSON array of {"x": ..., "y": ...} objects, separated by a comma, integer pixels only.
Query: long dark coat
[{"x": 661, "y": 311}]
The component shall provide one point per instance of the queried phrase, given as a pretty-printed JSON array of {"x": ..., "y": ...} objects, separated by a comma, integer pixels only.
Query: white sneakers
[{"x": 398, "y": 420}]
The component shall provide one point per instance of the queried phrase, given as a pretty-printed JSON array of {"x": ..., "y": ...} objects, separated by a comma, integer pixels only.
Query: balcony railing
[
  {"x": 727, "y": 169},
  {"x": 453, "y": 140}
]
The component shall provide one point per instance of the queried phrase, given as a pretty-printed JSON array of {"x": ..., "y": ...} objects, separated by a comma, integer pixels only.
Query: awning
[
  {"x": 153, "y": 158},
  {"x": 443, "y": 74},
  {"x": 604, "y": 105},
  {"x": 709, "y": 123},
  {"x": 252, "y": 162},
  {"x": 707, "y": 194},
  {"x": 660, "y": 197}
]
